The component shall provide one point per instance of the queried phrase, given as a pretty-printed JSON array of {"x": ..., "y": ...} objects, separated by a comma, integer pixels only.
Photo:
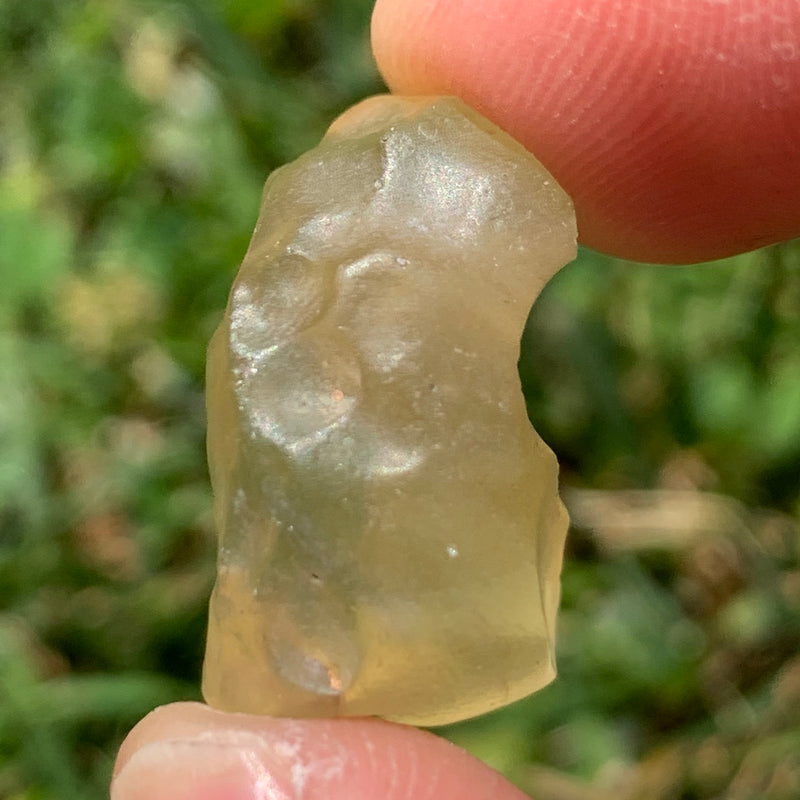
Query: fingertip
[
  {"x": 674, "y": 126},
  {"x": 191, "y": 751}
]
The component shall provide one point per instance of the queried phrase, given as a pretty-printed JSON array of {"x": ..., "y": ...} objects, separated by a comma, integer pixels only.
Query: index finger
[{"x": 674, "y": 126}]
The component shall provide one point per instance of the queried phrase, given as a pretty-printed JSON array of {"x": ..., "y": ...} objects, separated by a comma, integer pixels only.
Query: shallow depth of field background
[{"x": 135, "y": 137}]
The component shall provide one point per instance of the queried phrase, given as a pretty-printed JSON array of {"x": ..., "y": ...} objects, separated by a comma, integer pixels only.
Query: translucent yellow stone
[{"x": 390, "y": 529}]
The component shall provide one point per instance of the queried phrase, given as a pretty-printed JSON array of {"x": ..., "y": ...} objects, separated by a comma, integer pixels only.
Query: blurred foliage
[{"x": 135, "y": 140}]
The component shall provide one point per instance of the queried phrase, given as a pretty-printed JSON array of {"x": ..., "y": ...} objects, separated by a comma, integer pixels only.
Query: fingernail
[{"x": 233, "y": 766}]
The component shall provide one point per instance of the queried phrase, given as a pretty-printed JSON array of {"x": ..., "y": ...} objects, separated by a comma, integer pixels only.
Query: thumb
[{"x": 188, "y": 751}]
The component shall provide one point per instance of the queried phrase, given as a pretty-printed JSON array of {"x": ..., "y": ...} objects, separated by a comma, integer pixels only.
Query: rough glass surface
[{"x": 390, "y": 529}]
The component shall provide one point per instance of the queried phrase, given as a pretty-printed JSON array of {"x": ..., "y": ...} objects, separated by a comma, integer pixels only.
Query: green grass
[{"x": 135, "y": 139}]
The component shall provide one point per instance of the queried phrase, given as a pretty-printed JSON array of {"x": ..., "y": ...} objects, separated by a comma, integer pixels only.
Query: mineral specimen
[{"x": 390, "y": 529}]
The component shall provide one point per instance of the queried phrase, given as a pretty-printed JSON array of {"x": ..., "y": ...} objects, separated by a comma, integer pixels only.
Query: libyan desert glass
[{"x": 390, "y": 529}]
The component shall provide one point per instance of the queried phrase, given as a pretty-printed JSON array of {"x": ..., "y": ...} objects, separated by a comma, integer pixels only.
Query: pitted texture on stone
[{"x": 390, "y": 529}]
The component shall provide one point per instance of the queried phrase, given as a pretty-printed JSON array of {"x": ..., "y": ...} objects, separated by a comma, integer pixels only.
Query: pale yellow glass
[{"x": 390, "y": 529}]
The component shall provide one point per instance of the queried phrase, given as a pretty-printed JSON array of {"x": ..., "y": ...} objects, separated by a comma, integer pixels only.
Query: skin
[{"x": 675, "y": 127}]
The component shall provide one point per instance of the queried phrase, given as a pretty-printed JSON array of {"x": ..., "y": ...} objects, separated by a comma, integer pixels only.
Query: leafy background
[{"x": 134, "y": 140}]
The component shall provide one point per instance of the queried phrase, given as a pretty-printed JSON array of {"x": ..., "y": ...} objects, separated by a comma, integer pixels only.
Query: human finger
[
  {"x": 674, "y": 126},
  {"x": 188, "y": 751}
]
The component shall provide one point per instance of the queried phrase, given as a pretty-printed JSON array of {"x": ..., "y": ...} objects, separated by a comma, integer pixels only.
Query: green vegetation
[{"x": 135, "y": 140}]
